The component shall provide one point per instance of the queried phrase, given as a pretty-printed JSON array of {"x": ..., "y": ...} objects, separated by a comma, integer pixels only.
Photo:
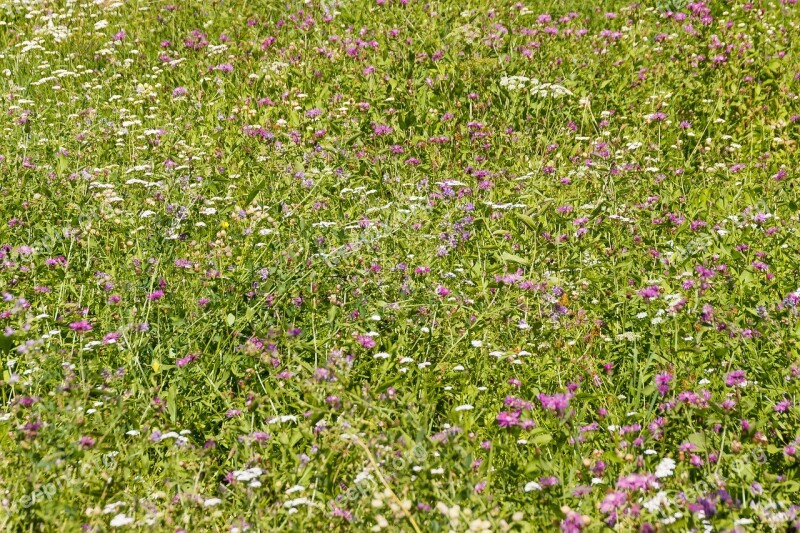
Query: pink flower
[
  {"x": 737, "y": 377},
  {"x": 612, "y": 501},
  {"x": 557, "y": 403},
  {"x": 81, "y": 326},
  {"x": 506, "y": 419},
  {"x": 662, "y": 382},
  {"x": 649, "y": 293},
  {"x": 783, "y": 406},
  {"x": 183, "y": 361},
  {"x": 637, "y": 482},
  {"x": 366, "y": 341},
  {"x": 112, "y": 337}
]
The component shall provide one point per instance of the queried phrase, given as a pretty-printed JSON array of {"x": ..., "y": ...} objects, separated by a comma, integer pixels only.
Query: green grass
[{"x": 289, "y": 265}]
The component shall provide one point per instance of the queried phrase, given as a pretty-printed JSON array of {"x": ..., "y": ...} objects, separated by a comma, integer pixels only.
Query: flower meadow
[{"x": 399, "y": 265}]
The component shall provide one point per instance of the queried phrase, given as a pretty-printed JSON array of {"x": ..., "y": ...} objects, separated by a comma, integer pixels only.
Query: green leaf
[
  {"x": 544, "y": 438},
  {"x": 528, "y": 221},
  {"x": 511, "y": 258},
  {"x": 172, "y": 408},
  {"x": 699, "y": 440}
]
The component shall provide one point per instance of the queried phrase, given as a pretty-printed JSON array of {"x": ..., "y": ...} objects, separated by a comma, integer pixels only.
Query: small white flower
[
  {"x": 247, "y": 475},
  {"x": 477, "y": 343},
  {"x": 656, "y": 502},
  {"x": 465, "y": 407},
  {"x": 121, "y": 520},
  {"x": 296, "y": 502},
  {"x": 211, "y": 502},
  {"x": 437, "y": 471},
  {"x": 665, "y": 467},
  {"x": 173, "y": 435},
  {"x": 111, "y": 507},
  {"x": 381, "y": 355},
  {"x": 531, "y": 486}
]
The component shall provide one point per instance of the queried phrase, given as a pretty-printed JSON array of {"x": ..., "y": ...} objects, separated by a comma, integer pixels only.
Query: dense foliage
[{"x": 399, "y": 265}]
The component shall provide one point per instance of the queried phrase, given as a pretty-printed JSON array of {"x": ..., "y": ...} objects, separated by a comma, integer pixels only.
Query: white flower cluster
[{"x": 536, "y": 88}]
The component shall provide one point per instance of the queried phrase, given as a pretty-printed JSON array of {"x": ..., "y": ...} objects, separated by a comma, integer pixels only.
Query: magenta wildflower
[
  {"x": 112, "y": 337},
  {"x": 783, "y": 406},
  {"x": 662, "y": 382},
  {"x": 548, "y": 481},
  {"x": 380, "y": 129},
  {"x": 737, "y": 377},
  {"x": 366, "y": 341},
  {"x": 81, "y": 326},
  {"x": 506, "y": 419},
  {"x": 639, "y": 482},
  {"x": 183, "y": 361},
  {"x": 649, "y": 293},
  {"x": 558, "y": 403},
  {"x": 613, "y": 501},
  {"x": 572, "y": 522}
]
